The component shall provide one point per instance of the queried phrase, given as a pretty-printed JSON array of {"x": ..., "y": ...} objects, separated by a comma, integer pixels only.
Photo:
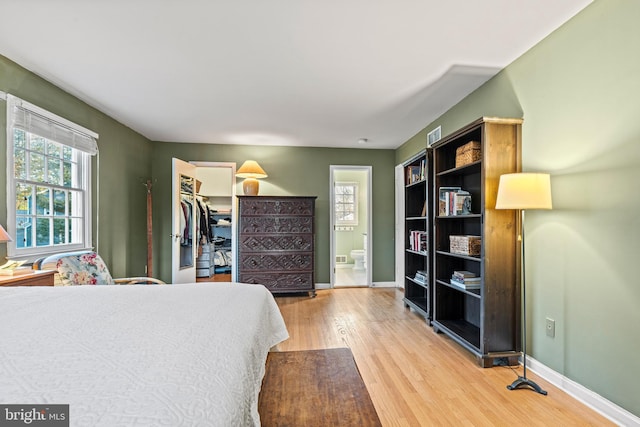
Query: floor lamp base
[{"x": 523, "y": 382}]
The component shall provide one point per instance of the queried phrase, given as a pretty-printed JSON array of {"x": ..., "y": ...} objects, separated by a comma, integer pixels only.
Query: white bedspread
[{"x": 179, "y": 355}]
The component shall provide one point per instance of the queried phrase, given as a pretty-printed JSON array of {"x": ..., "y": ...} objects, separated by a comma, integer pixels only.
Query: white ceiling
[{"x": 321, "y": 73}]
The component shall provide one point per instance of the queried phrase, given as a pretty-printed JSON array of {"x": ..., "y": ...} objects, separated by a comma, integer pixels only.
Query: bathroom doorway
[{"x": 351, "y": 235}]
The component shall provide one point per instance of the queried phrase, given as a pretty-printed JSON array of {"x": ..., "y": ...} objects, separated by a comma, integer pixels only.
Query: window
[
  {"x": 346, "y": 203},
  {"x": 49, "y": 181}
]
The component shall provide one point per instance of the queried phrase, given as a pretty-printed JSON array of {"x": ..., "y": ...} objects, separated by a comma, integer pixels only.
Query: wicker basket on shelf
[
  {"x": 467, "y": 153},
  {"x": 465, "y": 245}
]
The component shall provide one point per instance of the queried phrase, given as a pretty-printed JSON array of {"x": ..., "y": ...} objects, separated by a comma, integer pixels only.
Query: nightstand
[{"x": 34, "y": 278}]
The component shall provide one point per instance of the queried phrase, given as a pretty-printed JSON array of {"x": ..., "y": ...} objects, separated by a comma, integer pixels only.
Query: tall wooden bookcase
[
  {"x": 486, "y": 321},
  {"x": 417, "y": 224}
]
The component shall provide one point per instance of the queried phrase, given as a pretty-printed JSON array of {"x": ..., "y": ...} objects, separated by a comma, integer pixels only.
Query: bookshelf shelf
[
  {"x": 462, "y": 331},
  {"x": 411, "y": 279},
  {"x": 465, "y": 257},
  {"x": 417, "y": 252},
  {"x": 472, "y": 292},
  {"x": 419, "y": 304},
  {"x": 460, "y": 217}
]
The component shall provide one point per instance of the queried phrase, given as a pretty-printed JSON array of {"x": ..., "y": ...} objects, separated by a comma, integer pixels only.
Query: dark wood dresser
[{"x": 276, "y": 242}]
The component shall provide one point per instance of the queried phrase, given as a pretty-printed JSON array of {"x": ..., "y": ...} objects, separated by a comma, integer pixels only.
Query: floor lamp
[{"x": 524, "y": 191}]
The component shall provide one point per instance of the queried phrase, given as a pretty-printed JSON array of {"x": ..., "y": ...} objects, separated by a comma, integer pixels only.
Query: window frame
[
  {"x": 337, "y": 220},
  {"x": 82, "y": 168}
]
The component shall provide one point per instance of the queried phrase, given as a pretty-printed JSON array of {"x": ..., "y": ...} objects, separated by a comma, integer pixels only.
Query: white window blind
[{"x": 35, "y": 120}]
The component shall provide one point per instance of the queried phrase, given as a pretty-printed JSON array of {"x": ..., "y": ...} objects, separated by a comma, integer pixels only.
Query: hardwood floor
[
  {"x": 416, "y": 377},
  {"x": 220, "y": 277}
]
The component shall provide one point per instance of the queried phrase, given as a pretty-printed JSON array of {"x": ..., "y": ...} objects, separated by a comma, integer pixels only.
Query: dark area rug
[{"x": 315, "y": 388}]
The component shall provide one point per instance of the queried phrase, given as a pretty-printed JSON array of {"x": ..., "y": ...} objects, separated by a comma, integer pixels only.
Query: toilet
[
  {"x": 358, "y": 258},
  {"x": 359, "y": 255}
]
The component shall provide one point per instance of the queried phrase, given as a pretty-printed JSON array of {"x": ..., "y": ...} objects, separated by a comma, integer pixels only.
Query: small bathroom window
[{"x": 346, "y": 203}]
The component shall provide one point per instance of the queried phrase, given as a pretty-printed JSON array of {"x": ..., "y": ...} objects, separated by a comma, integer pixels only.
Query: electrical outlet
[{"x": 551, "y": 328}]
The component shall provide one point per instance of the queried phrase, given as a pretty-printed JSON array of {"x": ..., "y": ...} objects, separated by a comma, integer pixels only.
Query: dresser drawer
[
  {"x": 280, "y": 282},
  {"x": 277, "y": 262},
  {"x": 275, "y": 242},
  {"x": 272, "y": 224},
  {"x": 265, "y": 205}
]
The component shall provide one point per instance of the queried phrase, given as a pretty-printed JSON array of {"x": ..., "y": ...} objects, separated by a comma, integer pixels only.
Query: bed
[{"x": 179, "y": 355}]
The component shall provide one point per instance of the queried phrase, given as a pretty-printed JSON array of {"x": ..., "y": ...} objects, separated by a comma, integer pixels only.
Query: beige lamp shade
[
  {"x": 251, "y": 171},
  {"x": 524, "y": 191},
  {"x": 4, "y": 236}
]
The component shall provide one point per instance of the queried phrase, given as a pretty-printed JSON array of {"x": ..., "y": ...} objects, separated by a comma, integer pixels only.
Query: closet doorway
[
  {"x": 217, "y": 194},
  {"x": 351, "y": 236}
]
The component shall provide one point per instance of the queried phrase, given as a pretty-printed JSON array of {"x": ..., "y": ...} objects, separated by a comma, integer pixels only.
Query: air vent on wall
[
  {"x": 434, "y": 136},
  {"x": 341, "y": 259}
]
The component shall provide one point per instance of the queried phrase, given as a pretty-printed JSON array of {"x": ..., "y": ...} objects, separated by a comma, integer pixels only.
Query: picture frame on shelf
[{"x": 462, "y": 203}]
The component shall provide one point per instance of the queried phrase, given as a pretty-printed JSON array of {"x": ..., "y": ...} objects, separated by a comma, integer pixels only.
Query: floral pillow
[{"x": 84, "y": 269}]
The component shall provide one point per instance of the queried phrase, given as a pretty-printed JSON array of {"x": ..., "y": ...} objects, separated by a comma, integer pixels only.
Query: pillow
[{"x": 84, "y": 269}]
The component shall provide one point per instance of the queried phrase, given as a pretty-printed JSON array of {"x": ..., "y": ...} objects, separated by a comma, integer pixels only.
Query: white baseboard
[
  {"x": 373, "y": 285},
  {"x": 384, "y": 285},
  {"x": 593, "y": 400}
]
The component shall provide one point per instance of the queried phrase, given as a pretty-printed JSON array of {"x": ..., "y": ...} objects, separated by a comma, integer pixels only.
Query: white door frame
[
  {"x": 399, "y": 225},
  {"x": 368, "y": 170},
  {"x": 187, "y": 273},
  {"x": 234, "y": 210}
]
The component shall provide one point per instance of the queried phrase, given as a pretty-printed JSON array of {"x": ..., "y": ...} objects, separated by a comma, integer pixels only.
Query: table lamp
[
  {"x": 4, "y": 236},
  {"x": 251, "y": 172}
]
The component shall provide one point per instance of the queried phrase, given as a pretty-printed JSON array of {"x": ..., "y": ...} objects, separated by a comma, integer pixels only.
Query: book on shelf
[
  {"x": 468, "y": 280},
  {"x": 465, "y": 285},
  {"x": 453, "y": 201},
  {"x": 418, "y": 240},
  {"x": 461, "y": 203},
  {"x": 420, "y": 278},
  {"x": 463, "y": 274},
  {"x": 443, "y": 199},
  {"x": 465, "y": 279},
  {"x": 474, "y": 279},
  {"x": 416, "y": 173}
]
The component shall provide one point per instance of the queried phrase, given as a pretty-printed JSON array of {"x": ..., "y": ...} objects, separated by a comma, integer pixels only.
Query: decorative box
[
  {"x": 465, "y": 245},
  {"x": 467, "y": 153}
]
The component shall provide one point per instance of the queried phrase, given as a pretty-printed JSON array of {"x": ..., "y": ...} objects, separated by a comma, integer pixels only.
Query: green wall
[
  {"x": 292, "y": 171},
  {"x": 121, "y": 168},
  {"x": 578, "y": 93}
]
